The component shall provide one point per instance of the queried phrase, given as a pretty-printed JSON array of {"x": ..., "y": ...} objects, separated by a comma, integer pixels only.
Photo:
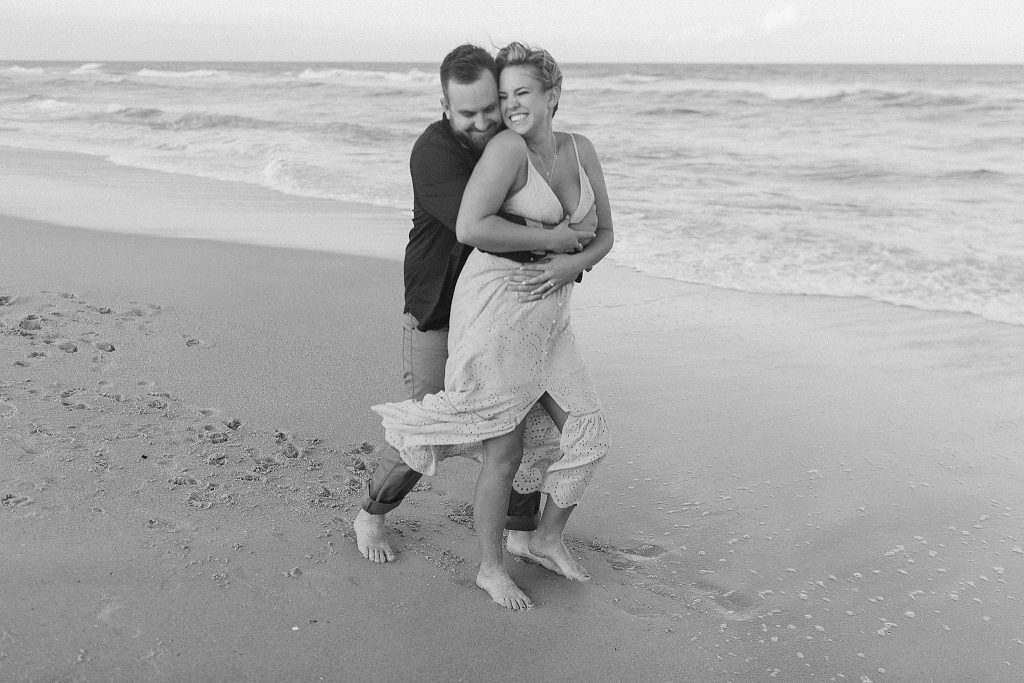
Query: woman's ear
[{"x": 554, "y": 93}]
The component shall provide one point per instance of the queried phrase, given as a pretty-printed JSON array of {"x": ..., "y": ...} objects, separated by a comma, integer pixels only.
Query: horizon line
[{"x": 586, "y": 62}]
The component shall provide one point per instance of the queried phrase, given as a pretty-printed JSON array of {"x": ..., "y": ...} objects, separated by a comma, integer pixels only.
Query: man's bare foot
[
  {"x": 503, "y": 590},
  {"x": 371, "y": 538},
  {"x": 555, "y": 556}
]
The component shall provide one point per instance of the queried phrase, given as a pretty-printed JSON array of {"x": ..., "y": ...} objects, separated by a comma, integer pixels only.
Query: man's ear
[{"x": 444, "y": 106}]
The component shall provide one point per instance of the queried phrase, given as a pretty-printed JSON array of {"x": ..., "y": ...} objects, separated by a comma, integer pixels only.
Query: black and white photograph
[{"x": 659, "y": 340}]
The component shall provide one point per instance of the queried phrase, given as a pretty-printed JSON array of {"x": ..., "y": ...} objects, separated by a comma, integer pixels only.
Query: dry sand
[{"x": 802, "y": 488}]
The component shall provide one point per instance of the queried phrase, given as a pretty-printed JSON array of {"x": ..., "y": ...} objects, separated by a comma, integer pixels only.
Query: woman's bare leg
[
  {"x": 546, "y": 543},
  {"x": 518, "y": 542},
  {"x": 545, "y": 546},
  {"x": 490, "y": 505}
]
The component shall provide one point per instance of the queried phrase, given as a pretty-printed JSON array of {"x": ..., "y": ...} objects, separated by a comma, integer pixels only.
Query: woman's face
[{"x": 525, "y": 104}]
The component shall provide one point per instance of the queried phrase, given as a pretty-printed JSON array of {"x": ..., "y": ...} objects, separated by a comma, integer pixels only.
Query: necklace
[{"x": 543, "y": 162}]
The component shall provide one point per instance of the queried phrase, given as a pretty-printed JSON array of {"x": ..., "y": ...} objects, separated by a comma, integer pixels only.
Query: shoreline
[
  {"x": 93, "y": 192},
  {"x": 798, "y": 484}
]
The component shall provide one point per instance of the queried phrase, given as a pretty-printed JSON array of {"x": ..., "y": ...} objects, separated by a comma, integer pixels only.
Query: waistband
[{"x": 517, "y": 256}]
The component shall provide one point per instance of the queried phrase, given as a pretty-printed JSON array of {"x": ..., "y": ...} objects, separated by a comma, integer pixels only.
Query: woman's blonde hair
[{"x": 543, "y": 64}]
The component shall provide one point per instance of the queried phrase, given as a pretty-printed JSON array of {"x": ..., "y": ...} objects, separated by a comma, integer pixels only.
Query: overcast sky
[{"x": 947, "y": 31}]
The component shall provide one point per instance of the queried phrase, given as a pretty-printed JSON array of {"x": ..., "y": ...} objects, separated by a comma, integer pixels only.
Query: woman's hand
[{"x": 537, "y": 280}]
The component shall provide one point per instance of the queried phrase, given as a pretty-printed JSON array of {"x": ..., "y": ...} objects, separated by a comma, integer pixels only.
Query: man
[{"x": 441, "y": 163}]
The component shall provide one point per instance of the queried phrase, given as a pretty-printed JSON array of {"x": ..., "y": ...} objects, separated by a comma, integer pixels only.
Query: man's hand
[
  {"x": 538, "y": 280},
  {"x": 567, "y": 240},
  {"x": 588, "y": 226}
]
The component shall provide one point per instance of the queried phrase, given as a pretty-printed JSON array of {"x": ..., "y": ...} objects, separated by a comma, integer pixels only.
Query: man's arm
[{"x": 439, "y": 177}]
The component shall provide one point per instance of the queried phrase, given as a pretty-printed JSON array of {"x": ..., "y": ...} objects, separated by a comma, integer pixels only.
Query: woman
[{"x": 506, "y": 355}]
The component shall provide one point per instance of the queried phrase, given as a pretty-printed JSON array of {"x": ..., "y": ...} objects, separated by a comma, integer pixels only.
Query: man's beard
[{"x": 477, "y": 141}]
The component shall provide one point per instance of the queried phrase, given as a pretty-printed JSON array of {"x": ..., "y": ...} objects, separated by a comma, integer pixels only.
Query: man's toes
[{"x": 515, "y": 604}]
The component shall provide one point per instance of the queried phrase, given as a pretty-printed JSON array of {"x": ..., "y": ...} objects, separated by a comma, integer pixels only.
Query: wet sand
[{"x": 802, "y": 488}]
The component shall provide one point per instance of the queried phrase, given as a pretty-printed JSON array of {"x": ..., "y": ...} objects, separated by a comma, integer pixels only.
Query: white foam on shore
[{"x": 89, "y": 192}]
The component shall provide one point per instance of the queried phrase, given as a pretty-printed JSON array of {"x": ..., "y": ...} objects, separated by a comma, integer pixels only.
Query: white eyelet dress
[{"x": 503, "y": 356}]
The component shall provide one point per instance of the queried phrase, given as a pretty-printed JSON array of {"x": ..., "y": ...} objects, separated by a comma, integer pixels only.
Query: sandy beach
[{"x": 801, "y": 488}]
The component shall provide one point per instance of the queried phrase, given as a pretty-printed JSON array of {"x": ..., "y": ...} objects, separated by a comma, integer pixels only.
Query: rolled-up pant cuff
[
  {"x": 523, "y": 511},
  {"x": 391, "y": 482},
  {"x": 375, "y": 508},
  {"x": 522, "y": 522},
  {"x": 393, "y": 479}
]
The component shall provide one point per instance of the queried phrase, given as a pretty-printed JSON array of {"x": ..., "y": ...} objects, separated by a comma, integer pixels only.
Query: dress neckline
[{"x": 540, "y": 177}]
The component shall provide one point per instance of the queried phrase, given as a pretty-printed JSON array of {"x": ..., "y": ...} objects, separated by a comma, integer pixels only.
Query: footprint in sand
[
  {"x": 731, "y": 604},
  {"x": 265, "y": 460},
  {"x": 212, "y": 436},
  {"x": 31, "y": 323},
  {"x": 643, "y": 611},
  {"x": 15, "y": 500},
  {"x": 68, "y": 347},
  {"x": 158, "y": 523},
  {"x": 644, "y": 550},
  {"x": 199, "y": 501},
  {"x": 141, "y": 310},
  {"x": 104, "y": 346},
  {"x": 8, "y": 409},
  {"x": 194, "y": 343},
  {"x": 629, "y": 557}
]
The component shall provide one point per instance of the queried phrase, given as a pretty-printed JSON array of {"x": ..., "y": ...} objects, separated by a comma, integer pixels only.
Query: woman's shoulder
[
  {"x": 507, "y": 140},
  {"x": 583, "y": 144},
  {"x": 505, "y": 147}
]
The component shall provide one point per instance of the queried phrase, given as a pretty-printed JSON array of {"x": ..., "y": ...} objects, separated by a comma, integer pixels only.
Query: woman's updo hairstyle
[{"x": 544, "y": 66}]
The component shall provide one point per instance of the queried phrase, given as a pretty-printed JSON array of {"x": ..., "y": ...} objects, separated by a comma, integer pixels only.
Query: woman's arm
[
  {"x": 495, "y": 175},
  {"x": 558, "y": 269}
]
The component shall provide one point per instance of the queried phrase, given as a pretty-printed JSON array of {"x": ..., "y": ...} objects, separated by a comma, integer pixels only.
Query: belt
[{"x": 517, "y": 256}]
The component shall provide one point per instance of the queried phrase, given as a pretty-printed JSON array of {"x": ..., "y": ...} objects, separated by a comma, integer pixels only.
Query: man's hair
[
  {"x": 464, "y": 65},
  {"x": 540, "y": 61}
]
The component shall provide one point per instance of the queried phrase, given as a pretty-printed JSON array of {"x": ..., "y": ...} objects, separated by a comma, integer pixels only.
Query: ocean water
[{"x": 903, "y": 184}]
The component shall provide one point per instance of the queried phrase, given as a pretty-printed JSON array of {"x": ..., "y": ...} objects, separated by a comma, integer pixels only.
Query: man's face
[{"x": 473, "y": 110}]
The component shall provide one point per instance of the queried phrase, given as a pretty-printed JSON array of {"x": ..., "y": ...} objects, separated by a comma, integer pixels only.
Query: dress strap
[{"x": 576, "y": 149}]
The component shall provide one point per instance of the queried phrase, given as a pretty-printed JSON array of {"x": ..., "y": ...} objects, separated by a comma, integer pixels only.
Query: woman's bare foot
[
  {"x": 555, "y": 556},
  {"x": 503, "y": 590},
  {"x": 371, "y": 538},
  {"x": 518, "y": 543}
]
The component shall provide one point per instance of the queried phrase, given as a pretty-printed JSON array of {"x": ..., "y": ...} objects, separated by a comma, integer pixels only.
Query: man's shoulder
[
  {"x": 437, "y": 134},
  {"x": 437, "y": 151}
]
